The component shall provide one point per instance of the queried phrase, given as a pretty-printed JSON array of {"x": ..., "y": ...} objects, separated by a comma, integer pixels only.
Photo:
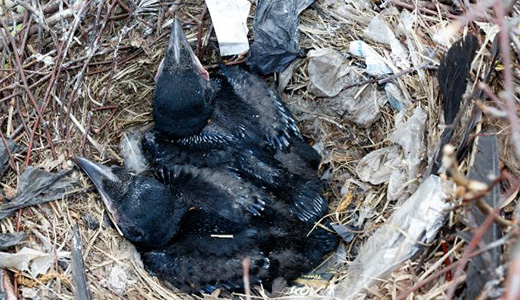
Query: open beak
[
  {"x": 179, "y": 55},
  {"x": 99, "y": 175}
]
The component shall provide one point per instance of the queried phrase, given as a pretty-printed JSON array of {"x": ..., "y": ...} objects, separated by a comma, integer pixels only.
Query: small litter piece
[
  {"x": 33, "y": 261},
  {"x": 276, "y": 36},
  {"x": 397, "y": 164},
  {"x": 4, "y": 153},
  {"x": 8, "y": 240},
  {"x": 37, "y": 187},
  {"x": 331, "y": 76},
  {"x": 346, "y": 232},
  {"x": 327, "y": 72},
  {"x": 413, "y": 224},
  {"x": 379, "y": 32},
  {"x": 79, "y": 278},
  {"x": 376, "y": 65},
  {"x": 395, "y": 97},
  {"x": 377, "y": 166},
  {"x": 229, "y": 18},
  {"x": 118, "y": 279},
  {"x": 410, "y": 136}
]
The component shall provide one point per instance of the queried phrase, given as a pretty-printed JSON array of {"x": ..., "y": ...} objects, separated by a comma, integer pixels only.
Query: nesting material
[
  {"x": 230, "y": 20},
  {"x": 331, "y": 77},
  {"x": 33, "y": 261},
  {"x": 397, "y": 165},
  {"x": 411, "y": 226},
  {"x": 92, "y": 64}
]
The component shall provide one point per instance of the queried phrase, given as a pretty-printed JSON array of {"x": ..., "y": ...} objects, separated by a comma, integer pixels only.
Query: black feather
[
  {"x": 453, "y": 73},
  {"x": 482, "y": 268},
  {"x": 452, "y": 76}
]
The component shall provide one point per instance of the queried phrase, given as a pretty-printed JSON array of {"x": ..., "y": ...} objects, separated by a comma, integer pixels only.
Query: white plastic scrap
[
  {"x": 376, "y": 65},
  {"x": 377, "y": 166},
  {"x": 229, "y": 18},
  {"x": 27, "y": 259},
  {"x": 327, "y": 71},
  {"x": 379, "y": 31},
  {"x": 413, "y": 224},
  {"x": 395, "y": 96},
  {"x": 394, "y": 164}
]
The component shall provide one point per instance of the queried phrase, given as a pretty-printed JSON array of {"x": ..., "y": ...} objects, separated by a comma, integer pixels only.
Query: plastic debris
[
  {"x": 285, "y": 76},
  {"x": 397, "y": 164},
  {"x": 33, "y": 261},
  {"x": 413, "y": 224},
  {"x": 11, "y": 239},
  {"x": 4, "y": 154},
  {"x": 377, "y": 166},
  {"x": 376, "y": 65},
  {"x": 379, "y": 32},
  {"x": 327, "y": 72},
  {"x": 395, "y": 97},
  {"x": 361, "y": 104},
  {"x": 410, "y": 136},
  {"x": 276, "y": 37},
  {"x": 229, "y": 17},
  {"x": 331, "y": 76},
  {"x": 79, "y": 278},
  {"x": 38, "y": 186}
]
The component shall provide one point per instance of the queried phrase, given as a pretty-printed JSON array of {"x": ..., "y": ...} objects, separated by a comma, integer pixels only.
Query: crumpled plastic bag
[
  {"x": 412, "y": 225},
  {"x": 397, "y": 164},
  {"x": 38, "y": 186},
  {"x": 327, "y": 72},
  {"x": 11, "y": 239},
  {"x": 395, "y": 97},
  {"x": 4, "y": 154},
  {"x": 331, "y": 76},
  {"x": 377, "y": 166},
  {"x": 276, "y": 37}
]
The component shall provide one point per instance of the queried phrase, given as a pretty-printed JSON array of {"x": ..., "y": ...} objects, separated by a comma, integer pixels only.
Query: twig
[
  {"x": 80, "y": 128},
  {"x": 508, "y": 93},
  {"x": 456, "y": 264},
  {"x": 29, "y": 93}
]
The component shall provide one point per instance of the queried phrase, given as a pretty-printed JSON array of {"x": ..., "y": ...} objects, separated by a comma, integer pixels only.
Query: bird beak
[
  {"x": 179, "y": 55},
  {"x": 99, "y": 174}
]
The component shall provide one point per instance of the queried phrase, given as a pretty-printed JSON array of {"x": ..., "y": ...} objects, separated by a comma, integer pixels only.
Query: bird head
[
  {"x": 145, "y": 210},
  {"x": 183, "y": 89}
]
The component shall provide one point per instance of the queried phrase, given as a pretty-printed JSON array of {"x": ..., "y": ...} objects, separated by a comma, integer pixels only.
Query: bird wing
[
  {"x": 277, "y": 125},
  {"x": 218, "y": 191}
]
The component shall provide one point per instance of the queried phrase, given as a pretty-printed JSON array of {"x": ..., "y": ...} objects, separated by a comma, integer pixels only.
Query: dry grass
[{"x": 100, "y": 82}]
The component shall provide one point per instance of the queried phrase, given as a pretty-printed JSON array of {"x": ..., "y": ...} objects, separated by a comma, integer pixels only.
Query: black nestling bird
[
  {"x": 232, "y": 121},
  {"x": 193, "y": 233}
]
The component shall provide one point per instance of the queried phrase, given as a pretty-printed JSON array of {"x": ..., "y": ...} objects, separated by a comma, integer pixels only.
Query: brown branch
[{"x": 19, "y": 66}]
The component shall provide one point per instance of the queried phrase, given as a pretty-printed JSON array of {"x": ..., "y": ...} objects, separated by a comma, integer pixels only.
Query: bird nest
[{"x": 77, "y": 75}]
